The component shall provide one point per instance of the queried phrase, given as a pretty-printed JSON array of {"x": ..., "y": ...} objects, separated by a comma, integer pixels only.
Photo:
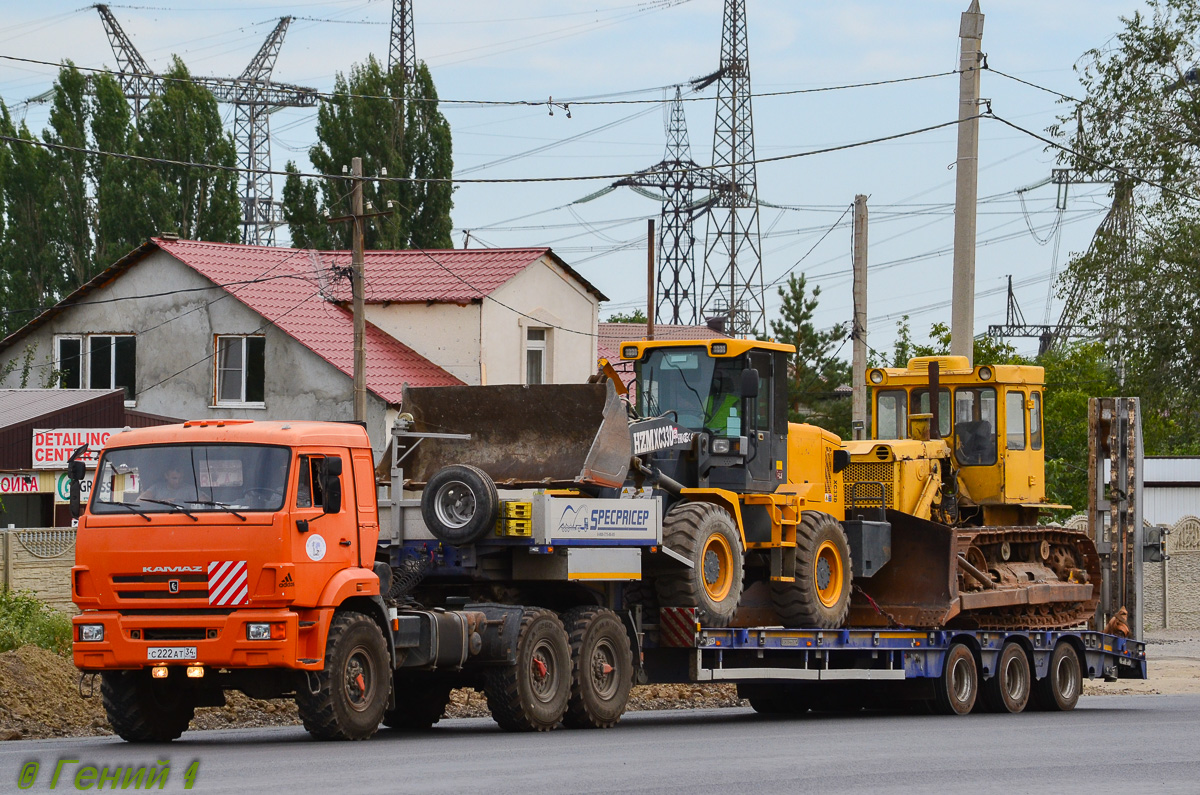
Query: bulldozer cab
[
  {"x": 991, "y": 417},
  {"x": 731, "y": 393}
]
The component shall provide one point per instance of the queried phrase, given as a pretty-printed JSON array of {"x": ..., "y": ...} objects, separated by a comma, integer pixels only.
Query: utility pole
[
  {"x": 360, "y": 315},
  {"x": 858, "y": 377},
  {"x": 966, "y": 192},
  {"x": 650, "y": 291}
]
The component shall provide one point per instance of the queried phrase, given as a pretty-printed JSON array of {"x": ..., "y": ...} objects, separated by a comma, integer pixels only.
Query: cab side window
[
  {"x": 975, "y": 426},
  {"x": 1014, "y": 420},
  {"x": 308, "y": 494},
  {"x": 1035, "y": 422}
]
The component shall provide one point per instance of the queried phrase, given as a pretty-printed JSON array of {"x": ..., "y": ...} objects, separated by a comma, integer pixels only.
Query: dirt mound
[{"x": 39, "y": 697}]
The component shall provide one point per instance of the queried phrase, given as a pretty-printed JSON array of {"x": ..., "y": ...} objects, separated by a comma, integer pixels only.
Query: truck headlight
[
  {"x": 720, "y": 446},
  {"x": 258, "y": 631},
  {"x": 91, "y": 632}
]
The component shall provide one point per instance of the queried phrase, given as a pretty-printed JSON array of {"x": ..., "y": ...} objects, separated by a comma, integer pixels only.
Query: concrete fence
[{"x": 39, "y": 559}]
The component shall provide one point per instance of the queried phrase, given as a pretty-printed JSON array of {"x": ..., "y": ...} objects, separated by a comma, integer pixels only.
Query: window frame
[
  {"x": 1016, "y": 407},
  {"x": 244, "y": 370},
  {"x": 58, "y": 359},
  {"x": 1036, "y": 440},
  {"x": 86, "y": 370},
  {"x": 543, "y": 347}
]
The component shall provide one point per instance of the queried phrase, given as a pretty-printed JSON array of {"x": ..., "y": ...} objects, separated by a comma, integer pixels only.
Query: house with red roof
[{"x": 212, "y": 330}]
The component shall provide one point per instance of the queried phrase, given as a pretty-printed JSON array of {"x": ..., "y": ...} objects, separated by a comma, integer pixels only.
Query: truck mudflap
[{"x": 579, "y": 433}]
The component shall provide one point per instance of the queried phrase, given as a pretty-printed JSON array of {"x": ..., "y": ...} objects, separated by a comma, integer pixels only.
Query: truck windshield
[
  {"x": 701, "y": 391},
  {"x": 167, "y": 478}
]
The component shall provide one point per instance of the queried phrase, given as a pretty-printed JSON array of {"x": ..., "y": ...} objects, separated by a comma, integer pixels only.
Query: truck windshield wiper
[
  {"x": 220, "y": 505},
  {"x": 133, "y": 508},
  {"x": 174, "y": 505}
]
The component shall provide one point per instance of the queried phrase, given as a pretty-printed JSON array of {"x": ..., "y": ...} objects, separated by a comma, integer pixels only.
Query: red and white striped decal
[
  {"x": 227, "y": 582},
  {"x": 677, "y": 627}
]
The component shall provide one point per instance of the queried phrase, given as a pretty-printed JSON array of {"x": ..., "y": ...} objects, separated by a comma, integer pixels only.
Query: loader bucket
[
  {"x": 549, "y": 435},
  {"x": 918, "y": 587}
]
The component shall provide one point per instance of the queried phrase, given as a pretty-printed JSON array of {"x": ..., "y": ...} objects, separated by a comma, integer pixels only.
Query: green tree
[
  {"x": 1140, "y": 280},
  {"x": 636, "y": 316},
  {"x": 814, "y": 370},
  {"x": 414, "y": 145},
  {"x": 72, "y": 233},
  {"x": 183, "y": 124},
  {"x": 121, "y": 221}
]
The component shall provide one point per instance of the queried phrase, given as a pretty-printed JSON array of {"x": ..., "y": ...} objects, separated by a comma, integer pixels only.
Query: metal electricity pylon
[
  {"x": 254, "y": 97},
  {"x": 732, "y": 284},
  {"x": 678, "y": 177},
  {"x": 403, "y": 49}
]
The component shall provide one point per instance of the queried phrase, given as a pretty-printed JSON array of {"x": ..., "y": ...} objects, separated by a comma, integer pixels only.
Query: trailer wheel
[
  {"x": 460, "y": 504},
  {"x": 958, "y": 686},
  {"x": 1008, "y": 689},
  {"x": 532, "y": 694},
  {"x": 601, "y": 668},
  {"x": 352, "y": 688},
  {"x": 420, "y": 702},
  {"x": 774, "y": 698},
  {"x": 705, "y": 534},
  {"x": 820, "y": 596},
  {"x": 143, "y": 710},
  {"x": 1059, "y": 690}
]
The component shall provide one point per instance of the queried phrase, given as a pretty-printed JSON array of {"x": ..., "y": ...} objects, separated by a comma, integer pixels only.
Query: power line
[{"x": 494, "y": 181}]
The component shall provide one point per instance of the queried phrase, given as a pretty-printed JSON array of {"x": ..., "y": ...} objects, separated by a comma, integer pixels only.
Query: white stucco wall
[
  {"x": 554, "y": 300},
  {"x": 445, "y": 334}
]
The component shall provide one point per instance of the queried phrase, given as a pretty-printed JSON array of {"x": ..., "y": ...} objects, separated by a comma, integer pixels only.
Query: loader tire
[
  {"x": 706, "y": 535},
  {"x": 352, "y": 688},
  {"x": 145, "y": 710},
  {"x": 420, "y": 702},
  {"x": 1059, "y": 689},
  {"x": 532, "y": 694},
  {"x": 820, "y": 596},
  {"x": 460, "y": 504},
  {"x": 601, "y": 668}
]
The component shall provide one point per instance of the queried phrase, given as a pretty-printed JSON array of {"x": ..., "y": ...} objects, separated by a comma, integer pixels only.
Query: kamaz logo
[{"x": 168, "y": 569}]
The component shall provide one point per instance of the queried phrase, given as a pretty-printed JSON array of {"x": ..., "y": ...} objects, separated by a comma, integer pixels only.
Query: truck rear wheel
[
  {"x": 820, "y": 595},
  {"x": 705, "y": 534},
  {"x": 145, "y": 710},
  {"x": 958, "y": 686},
  {"x": 532, "y": 694},
  {"x": 1008, "y": 689},
  {"x": 460, "y": 504},
  {"x": 420, "y": 702},
  {"x": 1059, "y": 690},
  {"x": 352, "y": 689},
  {"x": 601, "y": 668}
]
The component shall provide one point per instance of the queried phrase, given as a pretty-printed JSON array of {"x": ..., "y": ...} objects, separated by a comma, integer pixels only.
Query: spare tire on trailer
[{"x": 460, "y": 504}]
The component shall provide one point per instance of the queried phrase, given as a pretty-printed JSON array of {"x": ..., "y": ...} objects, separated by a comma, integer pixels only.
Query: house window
[
  {"x": 535, "y": 356},
  {"x": 97, "y": 361},
  {"x": 240, "y": 370}
]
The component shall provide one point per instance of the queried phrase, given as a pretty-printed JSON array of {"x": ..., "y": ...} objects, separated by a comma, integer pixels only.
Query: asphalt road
[{"x": 1140, "y": 743}]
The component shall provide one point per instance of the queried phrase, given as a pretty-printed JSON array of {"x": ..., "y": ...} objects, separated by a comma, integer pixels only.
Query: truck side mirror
[
  {"x": 76, "y": 471},
  {"x": 749, "y": 383},
  {"x": 331, "y": 484}
]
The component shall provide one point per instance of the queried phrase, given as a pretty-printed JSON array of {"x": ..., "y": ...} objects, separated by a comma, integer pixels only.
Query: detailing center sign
[{"x": 52, "y": 447}]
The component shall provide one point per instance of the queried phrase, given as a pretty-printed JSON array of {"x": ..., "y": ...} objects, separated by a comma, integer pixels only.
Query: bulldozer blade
[
  {"x": 918, "y": 587},
  {"x": 549, "y": 435}
]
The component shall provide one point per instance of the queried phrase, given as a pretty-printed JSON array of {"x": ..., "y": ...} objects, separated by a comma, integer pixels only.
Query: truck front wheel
[
  {"x": 145, "y": 710},
  {"x": 352, "y": 689},
  {"x": 532, "y": 694}
]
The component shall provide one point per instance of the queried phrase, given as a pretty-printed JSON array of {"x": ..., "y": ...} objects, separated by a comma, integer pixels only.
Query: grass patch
[{"x": 25, "y": 620}]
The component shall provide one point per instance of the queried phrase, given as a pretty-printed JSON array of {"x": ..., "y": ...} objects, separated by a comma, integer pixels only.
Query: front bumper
[{"x": 220, "y": 640}]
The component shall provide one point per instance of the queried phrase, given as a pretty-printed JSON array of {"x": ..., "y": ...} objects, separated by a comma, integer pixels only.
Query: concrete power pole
[
  {"x": 858, "y": 377},
  {"x": 966, "y": 193},
  {"x": 360, "y": 316}
]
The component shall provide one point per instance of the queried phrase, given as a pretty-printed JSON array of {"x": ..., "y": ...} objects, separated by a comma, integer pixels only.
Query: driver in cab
[{"x": 173, "y": 488}]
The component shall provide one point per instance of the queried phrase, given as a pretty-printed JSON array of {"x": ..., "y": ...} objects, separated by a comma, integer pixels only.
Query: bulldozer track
[{"x": 1049, "y": 616}]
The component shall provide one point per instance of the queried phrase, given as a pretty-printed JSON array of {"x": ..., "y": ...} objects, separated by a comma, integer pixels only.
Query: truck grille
[
  {"x": 882, "y": 472},
  {"x": 191, "y": 585}
]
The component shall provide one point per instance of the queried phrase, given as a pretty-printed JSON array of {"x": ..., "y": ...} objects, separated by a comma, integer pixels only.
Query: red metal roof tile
[
  {"x": 288, "y": 287},
  {"x": 447, "y": 276}
]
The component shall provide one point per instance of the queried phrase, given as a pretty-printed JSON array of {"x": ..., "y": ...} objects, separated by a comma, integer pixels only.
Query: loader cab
[
  {"x": 732, "y": 394},
  {"x": 991, "y": 417}
]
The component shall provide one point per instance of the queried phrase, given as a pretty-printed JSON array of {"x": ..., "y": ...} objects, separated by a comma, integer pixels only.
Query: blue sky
[{"x": 571, "y": 49}]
